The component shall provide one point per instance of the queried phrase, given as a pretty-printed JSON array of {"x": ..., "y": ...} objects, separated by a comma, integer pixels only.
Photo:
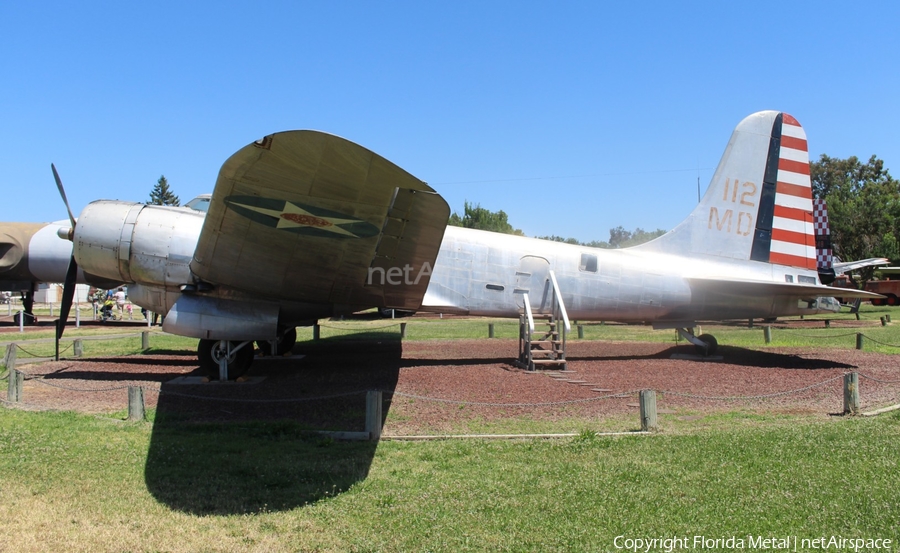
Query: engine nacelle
[{"x": 137, "y": 243}]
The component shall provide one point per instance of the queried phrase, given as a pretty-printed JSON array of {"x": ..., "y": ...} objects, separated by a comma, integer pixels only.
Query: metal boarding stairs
[{"x": 545, "y": 347}]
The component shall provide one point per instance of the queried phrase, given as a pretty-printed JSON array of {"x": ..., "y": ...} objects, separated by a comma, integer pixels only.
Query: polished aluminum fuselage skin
[{"x": 487, "y": 273}]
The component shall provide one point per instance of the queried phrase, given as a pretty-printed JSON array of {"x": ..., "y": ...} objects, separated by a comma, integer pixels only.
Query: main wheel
[
  {"x": 711, "y": 344},
  {"x": 209, "y": 352},
  {"x": 285, "y": 343}
]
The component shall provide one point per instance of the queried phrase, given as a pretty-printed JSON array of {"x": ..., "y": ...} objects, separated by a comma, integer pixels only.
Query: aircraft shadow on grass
[{"x": 236, "y": 448}]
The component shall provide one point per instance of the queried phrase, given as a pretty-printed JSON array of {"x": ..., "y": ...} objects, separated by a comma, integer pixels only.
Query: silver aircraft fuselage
[{"x": 487, "y": 273}]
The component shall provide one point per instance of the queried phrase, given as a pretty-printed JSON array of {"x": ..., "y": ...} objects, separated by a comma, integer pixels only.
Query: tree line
[
  {"x": 476, "y": 217},
  {"x": 863, "y": 211}
]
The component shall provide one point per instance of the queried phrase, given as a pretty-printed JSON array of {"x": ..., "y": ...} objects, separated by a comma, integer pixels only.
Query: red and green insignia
[{"x": 300, "y": 218}]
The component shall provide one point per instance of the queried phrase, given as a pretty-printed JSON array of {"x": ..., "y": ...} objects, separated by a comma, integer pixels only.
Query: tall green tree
[
  {"x": 863, "y": 207},
  {"x": 477, "y": 217},
  {"x": 162, "y": 195}
]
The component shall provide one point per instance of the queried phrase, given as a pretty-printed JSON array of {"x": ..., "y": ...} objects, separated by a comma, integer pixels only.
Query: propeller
[{"x": 72, "y": 273}]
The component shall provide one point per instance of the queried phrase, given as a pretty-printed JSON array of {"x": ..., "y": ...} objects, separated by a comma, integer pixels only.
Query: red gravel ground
[{"x": 323, "y": 385}]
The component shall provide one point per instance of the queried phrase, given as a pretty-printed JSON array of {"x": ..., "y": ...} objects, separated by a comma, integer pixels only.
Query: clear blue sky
[{"x": 573, "y": 117}]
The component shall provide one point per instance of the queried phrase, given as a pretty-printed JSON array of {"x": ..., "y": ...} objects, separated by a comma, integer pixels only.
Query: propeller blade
[
  {"x": 67, "y": 297},
  {"x": 62, "y": 192}
]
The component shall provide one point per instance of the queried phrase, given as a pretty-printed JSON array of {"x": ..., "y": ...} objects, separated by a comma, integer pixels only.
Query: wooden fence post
[
  {"x": 135, "y": 403},
  {"x": 851, "y": 393},
  {"x": 10, "y": 358},
  {"x": 490, "y": 330},
  {"x": 145, "y": 340},
  {"x": 767, "y": 332},
  {"x": 315, "y": 331},
  {"x": 78, "y": 348},
  {"x": 402, "y": 330},
  {"x": 859, "y": 340},
  {"x": 648, "y": 411},
  {"x": 14, "y": 391},
  {"x": 373, "y": 414},
  {"x": 581, "y": 332}
]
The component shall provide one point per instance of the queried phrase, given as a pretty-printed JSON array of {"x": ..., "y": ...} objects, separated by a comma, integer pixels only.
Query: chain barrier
[
  {"x": 281, "y": 400},
  {"x": 41, "y": 380},
  {"x": 763, "y": 396},
  {"x": 866, "y": 336},
  {"x": 872, "y": 378},
  {"x": 821, "y": 337},
  {"x": 492, "y": 404},
  {"x": 359, "y": 328}
]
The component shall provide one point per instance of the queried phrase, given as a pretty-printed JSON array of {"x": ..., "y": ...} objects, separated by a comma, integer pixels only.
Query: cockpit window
[{"x": 200, "y": 203}]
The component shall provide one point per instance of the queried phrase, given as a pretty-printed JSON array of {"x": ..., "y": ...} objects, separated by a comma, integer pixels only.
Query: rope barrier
[
  {"x": 763, "y": 396},
  {"x": 882, "y": 343},
  {"x": 20, "y": 348},
  {"x": 492, "y": 404}
]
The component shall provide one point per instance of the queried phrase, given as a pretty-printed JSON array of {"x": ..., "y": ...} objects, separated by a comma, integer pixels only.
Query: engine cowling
[{"x": 137, "y": 243}]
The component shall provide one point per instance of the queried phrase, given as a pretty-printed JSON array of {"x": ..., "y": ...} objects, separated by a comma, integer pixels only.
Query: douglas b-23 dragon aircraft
[{"x": 304, "y": 225}]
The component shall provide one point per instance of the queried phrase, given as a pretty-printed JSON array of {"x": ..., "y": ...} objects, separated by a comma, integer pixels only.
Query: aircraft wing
[
  {"x": 308, "y": 216},
  {"x": 847, "y": 266},
  {"x": 746, "y": 287}
]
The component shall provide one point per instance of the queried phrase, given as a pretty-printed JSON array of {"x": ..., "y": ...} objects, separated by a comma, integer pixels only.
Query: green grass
[{"x": 80, "y": 483}]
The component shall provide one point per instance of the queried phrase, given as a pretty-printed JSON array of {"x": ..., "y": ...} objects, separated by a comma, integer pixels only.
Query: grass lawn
[
  {"x": 80, "y": 483},
  {"x": 72, "y": 482}
]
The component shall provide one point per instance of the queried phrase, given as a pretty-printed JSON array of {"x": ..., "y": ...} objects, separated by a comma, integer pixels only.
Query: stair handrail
[
  {"x": 559, "y": 301},
  {"x": 528, "y": 312}
]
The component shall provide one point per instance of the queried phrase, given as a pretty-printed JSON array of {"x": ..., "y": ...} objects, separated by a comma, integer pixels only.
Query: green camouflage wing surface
[{"x": 307, "y": 216}]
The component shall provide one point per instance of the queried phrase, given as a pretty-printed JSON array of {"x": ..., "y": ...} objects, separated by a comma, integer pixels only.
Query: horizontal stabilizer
[
  {"x": 761, "y": 288},
  {"x": 847, "y": 266}
]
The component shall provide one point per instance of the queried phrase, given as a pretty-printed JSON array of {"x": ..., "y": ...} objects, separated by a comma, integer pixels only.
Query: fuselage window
[
  {"x": 588, "y": 263},
  {"x": 496, "y": 287},
  {"x": 807, "y": 279},
  {"x": 789, "y": 278}
]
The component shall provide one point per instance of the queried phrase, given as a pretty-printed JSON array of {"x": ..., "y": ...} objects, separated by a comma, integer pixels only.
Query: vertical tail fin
[{"x": 758, "y": 206}]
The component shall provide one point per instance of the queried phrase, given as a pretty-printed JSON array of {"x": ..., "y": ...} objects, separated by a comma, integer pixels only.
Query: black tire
[
  {"x": 204, "y": 356},
  {"x": 878, "y": 301},
  {"x": 236, "y": 368},
  {"x": 711, "y": 342},
  {"x": 29, "y": 319},
  {"x": 892, "y": 300},
  {"x": 285, "y": 343}
]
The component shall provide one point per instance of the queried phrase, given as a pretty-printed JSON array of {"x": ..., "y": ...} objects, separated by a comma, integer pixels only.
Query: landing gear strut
[
  {"x": 27, "y": 308},
  {"x": 224, "y": 360},
  {"x": 281, "y": 346},
  {"x": 706, "y": 343}
]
